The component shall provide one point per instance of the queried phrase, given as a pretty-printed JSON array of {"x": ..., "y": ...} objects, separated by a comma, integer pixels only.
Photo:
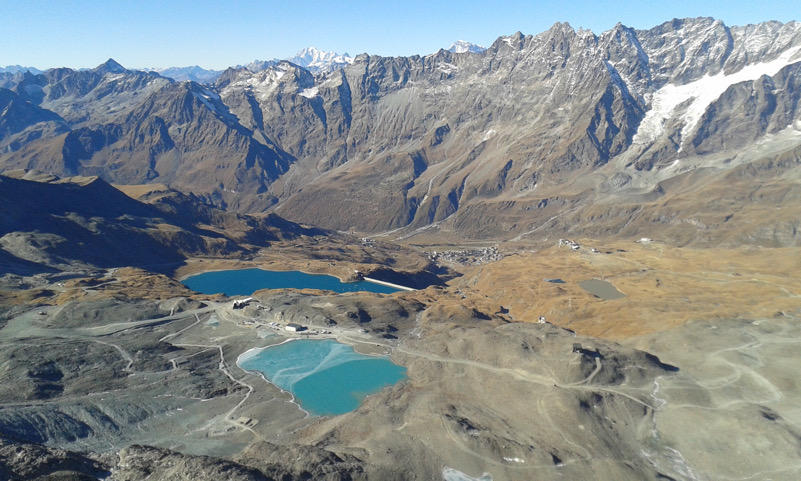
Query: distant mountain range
[
  {"x": 194, "y": 73},
  {"x": 311, "y": 58},
  {"x": 19, "y": 69},
  {"x": 564, "y": 133}
]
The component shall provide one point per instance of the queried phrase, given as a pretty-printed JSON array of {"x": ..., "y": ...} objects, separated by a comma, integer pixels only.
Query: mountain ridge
[{"x": 486, "y": 144}]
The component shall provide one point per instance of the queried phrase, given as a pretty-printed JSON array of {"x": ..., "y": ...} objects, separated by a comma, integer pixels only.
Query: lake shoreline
[{"x": 303, "y": 370}]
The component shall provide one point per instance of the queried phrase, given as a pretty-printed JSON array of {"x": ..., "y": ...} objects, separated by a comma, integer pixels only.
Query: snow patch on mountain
[
  {"x": 262, "y": 83},
  {"x": 700, "y": 94},
  {"x": 447, "y": 68},
  {"x": 113, "y": 77},
  {"x": 213, "y": 102},
  {"x": 310, "y": 93}
]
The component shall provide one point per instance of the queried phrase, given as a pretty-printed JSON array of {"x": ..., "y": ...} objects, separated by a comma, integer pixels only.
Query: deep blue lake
[
  {"x": 245, "y": 282},
  {"x": 326, "y": 377}
]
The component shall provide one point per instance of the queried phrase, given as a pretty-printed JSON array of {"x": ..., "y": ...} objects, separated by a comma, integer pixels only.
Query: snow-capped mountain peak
[
  {"x": 316, "y": 60},
  {"x": 462, "y": 46}
]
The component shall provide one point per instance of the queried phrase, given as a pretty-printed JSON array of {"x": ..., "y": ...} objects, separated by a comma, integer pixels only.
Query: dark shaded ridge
[
  {"x": 417, "y": 280},
  {"x": 95, "y": 223}
]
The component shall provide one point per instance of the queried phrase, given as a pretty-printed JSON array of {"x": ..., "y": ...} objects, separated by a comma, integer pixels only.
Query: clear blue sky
[{"x": 146, "y": 33}]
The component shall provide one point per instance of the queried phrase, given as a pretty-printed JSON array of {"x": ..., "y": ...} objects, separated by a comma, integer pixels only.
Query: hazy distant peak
[
  {"x": 19, "y": 68},
  {"x": 194, "y": 73},
  {"x": 462, "y": 46}
]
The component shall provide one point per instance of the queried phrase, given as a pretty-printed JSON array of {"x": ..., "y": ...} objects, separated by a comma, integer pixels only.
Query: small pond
[
  {"x": 245, "y": 282},
  {"x": 326, "y": 377},
  {"x": 602, "y": 289}
]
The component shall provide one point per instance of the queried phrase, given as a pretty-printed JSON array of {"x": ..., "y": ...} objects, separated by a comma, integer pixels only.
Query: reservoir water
[
  {"x": 602, "y": 289},
  {"x": 245, "y": 282},
  {"x": 326, "y": 377}
]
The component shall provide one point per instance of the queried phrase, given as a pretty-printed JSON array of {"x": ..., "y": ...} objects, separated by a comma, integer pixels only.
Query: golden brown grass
[{"x": 664, "y": 286}]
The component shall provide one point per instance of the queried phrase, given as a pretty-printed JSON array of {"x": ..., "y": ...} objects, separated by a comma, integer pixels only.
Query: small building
[
  {"x": 577, "y": 347},
  {"x": 541, "y": 320},
  {"x": 294, "y": 327},
  {"x": 241, "y": 303}
]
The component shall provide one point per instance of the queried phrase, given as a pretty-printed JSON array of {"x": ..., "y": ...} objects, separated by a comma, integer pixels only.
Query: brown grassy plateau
[{"x": 665, "y": 286}]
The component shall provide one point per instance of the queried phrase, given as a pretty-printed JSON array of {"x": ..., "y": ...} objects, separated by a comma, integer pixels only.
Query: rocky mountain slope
[{"x": 537, "y": 137}]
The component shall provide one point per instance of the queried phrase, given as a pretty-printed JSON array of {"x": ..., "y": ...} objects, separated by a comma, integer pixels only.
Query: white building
[{"x": 241, "y": 303}]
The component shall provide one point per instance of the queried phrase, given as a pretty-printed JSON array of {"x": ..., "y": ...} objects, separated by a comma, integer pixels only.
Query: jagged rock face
[{"x": 491, "y": 144}]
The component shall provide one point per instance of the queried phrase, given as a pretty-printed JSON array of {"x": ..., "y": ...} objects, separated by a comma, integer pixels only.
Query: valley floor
[{"x": 691, "y": 375}]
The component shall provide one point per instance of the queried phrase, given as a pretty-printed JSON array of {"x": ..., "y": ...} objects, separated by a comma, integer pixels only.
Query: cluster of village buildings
[
  {"x": 467, "y": 257},
  {"x": 575, "y": 245}
]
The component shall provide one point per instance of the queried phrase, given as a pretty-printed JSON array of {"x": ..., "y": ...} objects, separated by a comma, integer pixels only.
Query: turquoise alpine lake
[
  {"x": 325, "y": 376},
  {"x": 245, "y": 282}
]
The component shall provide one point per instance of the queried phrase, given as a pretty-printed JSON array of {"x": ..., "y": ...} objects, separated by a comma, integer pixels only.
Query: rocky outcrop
[{"x": 27, "y": 461}]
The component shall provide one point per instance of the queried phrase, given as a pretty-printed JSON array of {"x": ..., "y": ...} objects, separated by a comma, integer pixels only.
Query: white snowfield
[
  {"x": 702, "y": 93},
  {"x": 310, "y": 93}
]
